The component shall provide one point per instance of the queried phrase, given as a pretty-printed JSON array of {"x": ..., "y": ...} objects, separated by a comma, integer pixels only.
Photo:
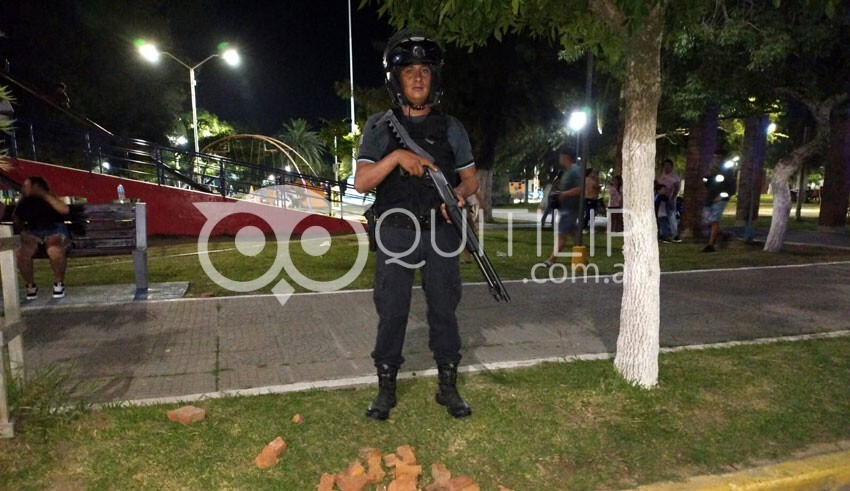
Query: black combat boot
[
  {"x": 447, "y": 394},
  {"x": 385, "y": 400}
]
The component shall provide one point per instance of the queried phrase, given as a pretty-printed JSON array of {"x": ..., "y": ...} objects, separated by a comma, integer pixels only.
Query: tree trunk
[
  {"x": 485, "y": 193},
  {"x": 637, "y": 344},
  {"x": 836, "y": 179},
  {"x": 621, "y": 131},
  {"x": 785, "y": 168},
  {"x": 783, "y": 171},
  {"x": 792, "y": 163},
  {"x": 702, "y": 141},
  {"x": 749, "y": 184}
]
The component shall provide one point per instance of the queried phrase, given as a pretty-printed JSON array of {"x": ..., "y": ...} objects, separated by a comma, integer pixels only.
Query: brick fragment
[
  {"x": 297, "y": 419},
  {"x": 354, "y": 478},
  {"x": 406, "y": 483},
  {"x": 326, "y": 483},
  {"x": 390, "y": 460},
  {"x": 373, "y": 463},
  {"x": 186, "y": 415},
  {"x": 270, "y": 455},
  {"x": 405, "y": 453},
  {"x": 440, "y": 473},
  {"x": 462, "y": 483}
]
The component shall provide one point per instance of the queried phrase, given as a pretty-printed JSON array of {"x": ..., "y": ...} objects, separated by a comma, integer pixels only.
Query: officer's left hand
[{"x": 460, "y": 204}]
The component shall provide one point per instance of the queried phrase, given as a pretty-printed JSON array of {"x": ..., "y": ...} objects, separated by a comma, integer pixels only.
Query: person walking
[
  {"x": 568, "y": 194},
  {"x": 412, "y": 228}
]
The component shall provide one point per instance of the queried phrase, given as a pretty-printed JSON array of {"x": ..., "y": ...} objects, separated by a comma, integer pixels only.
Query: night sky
[{"x": 292, "y": 53}]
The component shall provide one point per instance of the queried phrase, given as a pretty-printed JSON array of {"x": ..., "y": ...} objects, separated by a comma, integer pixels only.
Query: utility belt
[
  {"x": 395, "y": 220},
  {"x": 405, "y": 221}
]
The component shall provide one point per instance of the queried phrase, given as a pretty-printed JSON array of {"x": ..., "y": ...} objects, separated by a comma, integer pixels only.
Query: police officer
[{"x": 413, "y": 231}]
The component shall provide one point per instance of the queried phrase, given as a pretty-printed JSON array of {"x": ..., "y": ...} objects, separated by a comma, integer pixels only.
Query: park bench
[
  {"x": 107, "y": 230},
  {"x": 96, "y": 230}
]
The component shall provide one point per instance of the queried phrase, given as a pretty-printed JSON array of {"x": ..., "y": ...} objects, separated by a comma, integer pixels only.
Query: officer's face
[{"x": 416, "y": 83}]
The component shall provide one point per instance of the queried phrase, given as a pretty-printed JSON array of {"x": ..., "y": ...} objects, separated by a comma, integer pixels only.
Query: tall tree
[
  {"x": 836, "y": 180},
  {"x": 306, "y": 142},
  {"x": 626, "y": 33}
]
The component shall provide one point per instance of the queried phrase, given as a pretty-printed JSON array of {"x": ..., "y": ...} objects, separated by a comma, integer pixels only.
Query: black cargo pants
[{"x": 400, "y": 252}]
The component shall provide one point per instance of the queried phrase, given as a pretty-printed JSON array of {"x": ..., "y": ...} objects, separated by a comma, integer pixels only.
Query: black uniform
[{"x": 401, "y": 249}]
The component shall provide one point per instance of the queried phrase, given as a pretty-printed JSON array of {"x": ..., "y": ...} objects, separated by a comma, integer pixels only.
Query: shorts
[
  {"x": 713, "y": 212},
  {"x": 568, "y": 221},
  {"x": 42, "y": 234}
]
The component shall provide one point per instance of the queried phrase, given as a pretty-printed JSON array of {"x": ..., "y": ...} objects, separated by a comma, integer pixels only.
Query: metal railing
[{"x": 65, "y": 143}]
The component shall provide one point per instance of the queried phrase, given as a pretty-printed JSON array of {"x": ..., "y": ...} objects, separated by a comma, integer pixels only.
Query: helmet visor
[{"x": 415, "y": 51}]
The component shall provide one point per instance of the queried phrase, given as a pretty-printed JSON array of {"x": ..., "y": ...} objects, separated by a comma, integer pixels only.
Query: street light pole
[
  {"x": 351, "y": 78},
  {"x": 152, "y": 54},
  {"x": 194, "y": 108}
]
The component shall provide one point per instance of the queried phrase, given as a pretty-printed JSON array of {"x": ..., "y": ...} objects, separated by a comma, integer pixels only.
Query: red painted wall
[{"x": 173, "y": 211}]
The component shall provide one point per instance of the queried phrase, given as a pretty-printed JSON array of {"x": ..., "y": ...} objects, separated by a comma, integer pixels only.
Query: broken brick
[
  {"x": 405, "y": 453},
  {"x": 440, "y": 473},
  {"x": 186, "y": 415},
  {"x": 352, "y": 483},
  {"x": 297, "y": 419},
  {"x": 373, "y": 463},
  {"x": 354, "y": 478},
  {"x": 461, "y": 483},
  {"x": 390, "y": 460},
  {"x": 270, "y": 455},
  {"x": 502, "y": 488},
  {"x": 326, "y": 483},
  {"x": 406, "y": 483}
]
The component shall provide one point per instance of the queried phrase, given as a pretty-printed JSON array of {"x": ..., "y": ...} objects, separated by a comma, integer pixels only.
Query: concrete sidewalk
[{"x": 174, "y": 348}]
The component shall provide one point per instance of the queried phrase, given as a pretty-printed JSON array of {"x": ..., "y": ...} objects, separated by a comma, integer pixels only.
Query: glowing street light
[
  {"x": 149, "y": 52},
  {"x": 577, "y": 121}
]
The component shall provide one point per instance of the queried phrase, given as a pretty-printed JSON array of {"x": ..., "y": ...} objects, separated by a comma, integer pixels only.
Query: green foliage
[
  {"x": 308, "y": 143},
  {"x": 337, "y": 138},
  {"x": 47, "y": 399}
]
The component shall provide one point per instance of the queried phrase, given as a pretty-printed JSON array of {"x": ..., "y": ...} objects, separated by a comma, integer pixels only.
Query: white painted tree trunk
[
  {"x": 638, "y": 342},
  {"x": 792, "y": 163},
  {"x": 781, "y": 205}
]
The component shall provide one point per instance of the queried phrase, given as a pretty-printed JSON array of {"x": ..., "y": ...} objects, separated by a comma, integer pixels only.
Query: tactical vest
[{"x": 415, "y": 194}]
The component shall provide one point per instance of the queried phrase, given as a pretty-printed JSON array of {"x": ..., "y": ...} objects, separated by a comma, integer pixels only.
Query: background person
[
  {"x": 720, "y": 184},
  {"x": 672, "y": 185},
  {"x": 412, "y": 61},
  {"x": 591, "y": 196},
  {"x": 40, "y": 217},
  {"x": 568, "y": 196},
  {"x": 615, "y": 202}
]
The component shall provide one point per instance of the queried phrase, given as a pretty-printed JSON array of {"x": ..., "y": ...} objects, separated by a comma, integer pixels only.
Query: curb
[{"x": 822, "y": 472}]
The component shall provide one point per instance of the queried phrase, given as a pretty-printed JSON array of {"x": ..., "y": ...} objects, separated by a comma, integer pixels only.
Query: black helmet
[{"x": 410, "y": 47}]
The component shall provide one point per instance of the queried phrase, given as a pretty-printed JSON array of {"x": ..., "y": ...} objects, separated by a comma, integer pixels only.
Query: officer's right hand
[{"x": 413, "y": 164}]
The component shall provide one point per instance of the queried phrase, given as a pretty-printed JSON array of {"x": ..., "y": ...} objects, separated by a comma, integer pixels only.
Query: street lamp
[
  {"x": 576, "y": 123},
  {"x": 149, "y": 52}
]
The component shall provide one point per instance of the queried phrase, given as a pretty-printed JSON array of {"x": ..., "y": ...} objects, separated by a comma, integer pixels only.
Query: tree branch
[{"x": 611, "y": 15}]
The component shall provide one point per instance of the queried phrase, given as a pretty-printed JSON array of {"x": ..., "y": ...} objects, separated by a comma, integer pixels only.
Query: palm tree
[{"x": 298, "y": 135}]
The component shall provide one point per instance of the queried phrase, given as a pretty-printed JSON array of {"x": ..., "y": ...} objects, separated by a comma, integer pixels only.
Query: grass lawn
[
  {"x": 171, "y": 260},
  {"x": 553, "y": 427}
]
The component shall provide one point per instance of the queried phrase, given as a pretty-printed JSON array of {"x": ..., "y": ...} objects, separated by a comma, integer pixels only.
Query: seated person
[{"x": 40, "y": 217}]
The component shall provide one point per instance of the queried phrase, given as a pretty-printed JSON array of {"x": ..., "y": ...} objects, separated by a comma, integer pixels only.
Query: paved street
[{"x": 162, "y": 348}]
